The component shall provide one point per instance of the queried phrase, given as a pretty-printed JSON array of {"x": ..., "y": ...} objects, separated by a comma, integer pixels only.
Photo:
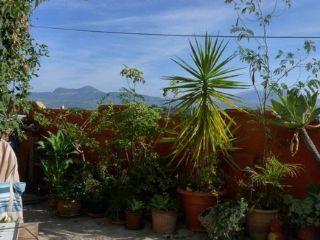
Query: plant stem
[{"x": 310, "y": 145}]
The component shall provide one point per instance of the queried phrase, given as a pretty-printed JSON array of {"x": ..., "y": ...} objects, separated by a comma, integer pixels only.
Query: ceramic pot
[
  {"x": 68, "y": 208},
  {"x": 194, "y": 204},
  {"x": 134, "y": 220},
  {"x": 164, "y": 221},
  {"x": 308, "y": 233},
  {"x": 258, "y": 222}
]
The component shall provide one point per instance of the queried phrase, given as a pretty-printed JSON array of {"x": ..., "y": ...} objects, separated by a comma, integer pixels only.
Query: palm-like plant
[
  {"x": 266, "y": 181},
  {"x": 297, "y": 111},
  {"x": 58, "y": 149},
  {"x": 204, "y": 132}
]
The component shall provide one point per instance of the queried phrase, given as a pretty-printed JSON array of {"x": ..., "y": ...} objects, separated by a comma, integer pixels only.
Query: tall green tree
[
  {"x": 269, "y": 69},
  {"x": 19, "y": 60}
]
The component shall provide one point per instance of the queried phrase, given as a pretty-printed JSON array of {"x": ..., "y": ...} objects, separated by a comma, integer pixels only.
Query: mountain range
[{"x": 87, "y": 97}]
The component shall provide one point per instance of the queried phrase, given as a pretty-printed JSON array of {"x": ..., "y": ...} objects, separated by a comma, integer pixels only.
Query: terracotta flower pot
[
  {"x": 308, "y": 233},
  {"x": 134, "y": 220},
  {"x": 164, "y": 221},
  {"x": 194, "y": 204},
  {"x": 276, "y": 230},
  {"x": 258, "y": 222},
  {"x": 52, "y": 202},
  {"x": 68, "y": 208}
]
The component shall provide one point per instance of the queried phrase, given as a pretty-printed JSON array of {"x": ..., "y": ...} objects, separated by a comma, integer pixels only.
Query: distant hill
[
  {"x": 84, "y": 97},
  {"x": 250, "y": 99},
  {"x": 88, "y": 96}
]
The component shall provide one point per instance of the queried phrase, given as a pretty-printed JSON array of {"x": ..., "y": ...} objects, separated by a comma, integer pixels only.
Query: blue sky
[{"x": 77, "y": 59}]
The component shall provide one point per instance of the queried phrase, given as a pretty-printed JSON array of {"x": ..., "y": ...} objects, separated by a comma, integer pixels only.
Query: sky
[{"x": 77, "y": 59}]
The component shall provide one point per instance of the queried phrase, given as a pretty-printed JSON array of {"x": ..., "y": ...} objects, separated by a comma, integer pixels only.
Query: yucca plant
[
  {"x": 266, "y": 182},
  {"x": 205, "y": 130},
  {"x": 297, "y": 111}
]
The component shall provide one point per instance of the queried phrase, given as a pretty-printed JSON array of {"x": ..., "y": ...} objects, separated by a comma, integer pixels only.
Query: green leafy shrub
[
  {"x": 163, "y": 203},
  {"x": 153, "y": 175},
  {"x": 97, "y": 187},
  {"x": 225, "y": 221},
  {"x": 305, "y": 211},
  {"x": 59, "y": 155}
]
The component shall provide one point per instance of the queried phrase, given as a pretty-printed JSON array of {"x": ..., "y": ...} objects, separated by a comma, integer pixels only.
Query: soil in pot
[
  {"x": 194, "y": 204},
  {"x": 308, "y": 233},
  {"x": 68, "y": 208},
  {"x": 258, "y": 223},
  {"x": 134, "y": 220},
  {"x": 164, "y": 221}
]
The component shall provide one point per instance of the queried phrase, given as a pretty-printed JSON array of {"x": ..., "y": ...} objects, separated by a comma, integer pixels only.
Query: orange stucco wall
[{"x": 250, "y": 148}]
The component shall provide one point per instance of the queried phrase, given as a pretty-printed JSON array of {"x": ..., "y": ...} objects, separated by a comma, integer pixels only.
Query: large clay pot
[
  {"x": 134, "y": 220},
  {"x": 308, "y": 233},
  {"x": 194, "y": 204},
  {"x": 258, "y": 222},
  {"x": 68, "y": 208},
  {"x": 164, "y": 221}
]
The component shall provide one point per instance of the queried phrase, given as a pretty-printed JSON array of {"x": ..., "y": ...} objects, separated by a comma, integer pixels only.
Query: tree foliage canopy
[{"x": 19, "y": 59}]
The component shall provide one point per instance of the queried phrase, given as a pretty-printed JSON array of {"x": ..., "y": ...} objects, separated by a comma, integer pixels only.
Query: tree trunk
[{"x": 310, "y": 145}]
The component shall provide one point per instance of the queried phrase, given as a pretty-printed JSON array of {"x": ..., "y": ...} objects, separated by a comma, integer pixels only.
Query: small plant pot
[
  {"x": 308, "y": 233},
  {"x": 52, "y": 202},
  {"x": 164, "y": 221},
  {"x": 258, "y": 222},
  {"x": 68, "y": 208},
  {"x": 134, "y": 220},
  {"x": 95, "y": 209},
  {"x": 96, "y": 215},
  {"x": 194, "y": 204}
]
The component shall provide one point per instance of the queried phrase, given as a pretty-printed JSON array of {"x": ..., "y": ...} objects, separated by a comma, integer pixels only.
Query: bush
[{"x": 225, "y": 221}]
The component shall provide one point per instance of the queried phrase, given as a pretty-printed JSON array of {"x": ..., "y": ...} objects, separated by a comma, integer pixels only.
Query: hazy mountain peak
[{"x": 83, "y": 97}]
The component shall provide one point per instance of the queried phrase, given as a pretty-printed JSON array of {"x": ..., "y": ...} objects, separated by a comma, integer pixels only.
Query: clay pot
[
  {"x": 134, "y": 220},
  {"x": 194, "y": 204},
  {"x": 96, "y": 215},
  {"x": 276, "y": 230},
  {"x": 308, "y": 233},
  {"x": 68, "y": 208},
  {"x": 258, "y": 222},
  {"x": 96, "y": 208},
  {"x": 52, "y": 202},
  {"x": 164, "y": 221}
]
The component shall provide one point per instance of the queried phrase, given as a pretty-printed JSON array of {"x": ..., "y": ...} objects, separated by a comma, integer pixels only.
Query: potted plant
[
  {"x": 134, "y": 214},
  {"x": 304, "y": 214},
  {"x": 204, "y": 134},
  {"x": 117, "y": 202},
  {"x": 58, "y": 152},
  {"x": 265, "y": 187},
  {"x": 97, "y": 185},
  {"x": 95, "y": 199},
  {"x": 225, "y": 221},
  {"x": 164, "y": 214},
  {"x": 68, "y": 203}
]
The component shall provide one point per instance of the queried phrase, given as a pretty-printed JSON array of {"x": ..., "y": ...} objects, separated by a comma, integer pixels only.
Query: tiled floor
[{"x": 53, "y": 227}]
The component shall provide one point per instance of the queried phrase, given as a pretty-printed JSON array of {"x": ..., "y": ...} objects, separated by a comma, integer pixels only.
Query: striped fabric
[{"x": 11, "y": 202}]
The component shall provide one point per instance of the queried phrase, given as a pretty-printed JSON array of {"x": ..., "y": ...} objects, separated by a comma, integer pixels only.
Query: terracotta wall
[{"x": 250, "y": 148}]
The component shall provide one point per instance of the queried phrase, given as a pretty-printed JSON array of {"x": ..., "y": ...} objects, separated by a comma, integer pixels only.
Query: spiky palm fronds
[{"x": 205, "y": 131}]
